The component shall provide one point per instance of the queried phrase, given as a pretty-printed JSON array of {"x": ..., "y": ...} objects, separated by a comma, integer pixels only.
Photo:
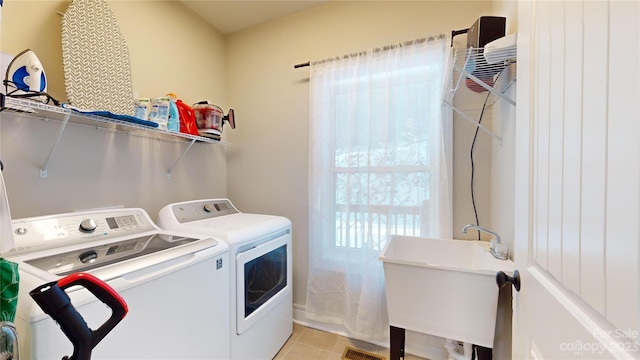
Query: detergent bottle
[
  {"x": 187, "y": 118},
  {"x": 173, "y": 124},
  {"x": 160, "y": 112}
]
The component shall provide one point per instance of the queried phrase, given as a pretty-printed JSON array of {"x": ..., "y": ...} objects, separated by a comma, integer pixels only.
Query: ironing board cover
[{"x": 95, "y": 58}]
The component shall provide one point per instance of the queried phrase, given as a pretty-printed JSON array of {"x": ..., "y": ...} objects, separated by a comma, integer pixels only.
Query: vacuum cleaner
[{"x": 55, "y": 302}]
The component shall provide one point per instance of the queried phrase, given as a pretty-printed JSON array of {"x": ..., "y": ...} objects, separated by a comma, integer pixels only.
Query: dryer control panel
[
  {"x": 204, "y": 209},
  {"x": 46, "y": 232}
]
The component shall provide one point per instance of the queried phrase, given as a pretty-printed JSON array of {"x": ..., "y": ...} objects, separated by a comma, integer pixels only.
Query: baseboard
[{"x": 426, "y": 346}]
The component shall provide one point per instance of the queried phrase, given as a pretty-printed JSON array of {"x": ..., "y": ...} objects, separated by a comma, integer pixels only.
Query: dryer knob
[
  {"x": 88, "y": 225},
  {"x": 208, "y": 207}
]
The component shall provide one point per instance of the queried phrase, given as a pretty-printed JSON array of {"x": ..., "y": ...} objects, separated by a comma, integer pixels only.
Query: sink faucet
[
  {"x": 480, "y": 228},
  {"x": 496, "y": 248}
]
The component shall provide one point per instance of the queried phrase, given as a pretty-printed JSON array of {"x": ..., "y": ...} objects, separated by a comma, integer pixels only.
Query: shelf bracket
[
  {"x": 43, "y": 169},
  {"x": 474, "y": 122},
  {"x": 180, "y": 158}
]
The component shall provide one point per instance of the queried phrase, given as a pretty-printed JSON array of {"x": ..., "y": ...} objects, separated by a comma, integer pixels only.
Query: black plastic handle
[
  {"x": 230, "y": 118},
  {"x": 503, "y": 279},
  {"x": 55, "y": 302}
]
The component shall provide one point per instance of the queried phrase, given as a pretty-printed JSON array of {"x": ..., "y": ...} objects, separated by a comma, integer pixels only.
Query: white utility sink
[{"x": 443, "y": 287}]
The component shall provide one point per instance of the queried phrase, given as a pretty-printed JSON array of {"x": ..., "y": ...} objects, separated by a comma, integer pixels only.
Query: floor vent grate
[{"x": 357, "y": 354}]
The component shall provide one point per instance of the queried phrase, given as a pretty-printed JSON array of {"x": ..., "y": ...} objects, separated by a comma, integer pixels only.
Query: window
[{"x": 381, "y": 169}]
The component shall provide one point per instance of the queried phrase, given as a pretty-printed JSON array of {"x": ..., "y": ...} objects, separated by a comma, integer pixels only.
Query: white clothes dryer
[
  {"x": 176, "y": 285},
  {"x": 261, "y": 281}
]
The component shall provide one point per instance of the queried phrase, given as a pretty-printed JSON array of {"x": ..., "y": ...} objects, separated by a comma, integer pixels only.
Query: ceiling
[{"x": 229, "y": 16}]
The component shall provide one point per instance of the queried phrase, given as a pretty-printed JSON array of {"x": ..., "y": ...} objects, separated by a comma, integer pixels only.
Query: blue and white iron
[{"x": 25, "y": 74}]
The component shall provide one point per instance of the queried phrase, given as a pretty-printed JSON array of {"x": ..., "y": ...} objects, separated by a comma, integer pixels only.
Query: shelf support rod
[
  {"x": 450, "y": 77},
  {"x": 466, "y": 62},
  {"x": 489, "y": 88},
  {"x": 466, "y": 117},
  {"x": 180, "y": 158},
  {"x": 495, "y": 100},
  {"x": 43, "y": 169}
]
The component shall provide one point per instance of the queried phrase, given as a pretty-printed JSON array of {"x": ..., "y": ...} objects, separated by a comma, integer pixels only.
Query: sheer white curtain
[{"x": 377, "y": 168}]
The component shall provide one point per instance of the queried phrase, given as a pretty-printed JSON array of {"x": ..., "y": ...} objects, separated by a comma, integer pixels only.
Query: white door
[{"x": 577, "y": 180}]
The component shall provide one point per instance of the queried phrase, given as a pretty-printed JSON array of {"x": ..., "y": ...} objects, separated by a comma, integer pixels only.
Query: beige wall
[
  {"x": 170, "y": 47},
  {"x": 171, "y": 50},
  {"x": 268, "y": 161}
]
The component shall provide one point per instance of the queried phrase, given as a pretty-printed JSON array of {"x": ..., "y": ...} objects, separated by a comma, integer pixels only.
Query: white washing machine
[
  {"x": 261, "y": 282},
  {"x": 176, "y": 285}
]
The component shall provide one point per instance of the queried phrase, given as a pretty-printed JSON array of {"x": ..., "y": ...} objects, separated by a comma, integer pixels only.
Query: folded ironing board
[{"x": 95, "y": 58}]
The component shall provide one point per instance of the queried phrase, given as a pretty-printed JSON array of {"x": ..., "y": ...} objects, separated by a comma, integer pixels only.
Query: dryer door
[{"x": 263, "y": 279}]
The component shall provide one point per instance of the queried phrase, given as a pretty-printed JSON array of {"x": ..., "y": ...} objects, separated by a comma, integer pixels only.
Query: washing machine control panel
[
  {"x": 203, "y": 209},
  {"x": 41, "y": 233}
]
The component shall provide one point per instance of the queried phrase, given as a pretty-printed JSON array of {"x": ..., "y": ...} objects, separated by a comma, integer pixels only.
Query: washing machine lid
[
  {"x": 122, "y": 264},
  {"x": 93, "y": 257}
]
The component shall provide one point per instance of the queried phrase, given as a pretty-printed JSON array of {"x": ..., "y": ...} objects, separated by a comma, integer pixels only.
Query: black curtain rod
[
  {"x": 455, "y": 33},
  {"x": 308, "y": 63}
]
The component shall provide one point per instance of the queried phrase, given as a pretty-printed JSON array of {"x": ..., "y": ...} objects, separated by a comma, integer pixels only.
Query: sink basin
[{"x": 443, "y": 287}]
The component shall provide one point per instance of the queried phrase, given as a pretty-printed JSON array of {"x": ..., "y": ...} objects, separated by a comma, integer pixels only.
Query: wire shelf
[
  {"x": 41, "y": 110},
  {"x": 36, "y": 109},
  {"x": 480, "y": 70}
]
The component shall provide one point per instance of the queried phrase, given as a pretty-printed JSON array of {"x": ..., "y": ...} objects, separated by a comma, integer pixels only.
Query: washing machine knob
[
  {"x": 208, "y": 207},
  {"x": 88, "y": 225},
  {"x": 88, "y": 257}
]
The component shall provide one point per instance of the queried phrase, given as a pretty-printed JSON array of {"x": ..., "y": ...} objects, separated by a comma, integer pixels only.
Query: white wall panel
[
  {"x": 622, "y": 166},
  {"x": 541, "y": 195},
  {"x": 586, "y": 152},
  {"x": 594, "y": 146},
  {"x": 585, "y": 92},
  {"x": 572, "y": 150},
  {"x": 556, "y": 122}
]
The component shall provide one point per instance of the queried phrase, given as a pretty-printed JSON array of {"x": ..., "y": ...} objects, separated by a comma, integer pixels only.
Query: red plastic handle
[{"x": 99, "y": 288}]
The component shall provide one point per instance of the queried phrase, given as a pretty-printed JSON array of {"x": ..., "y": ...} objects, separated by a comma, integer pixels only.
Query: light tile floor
[{"x": 310, "y": 344}]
